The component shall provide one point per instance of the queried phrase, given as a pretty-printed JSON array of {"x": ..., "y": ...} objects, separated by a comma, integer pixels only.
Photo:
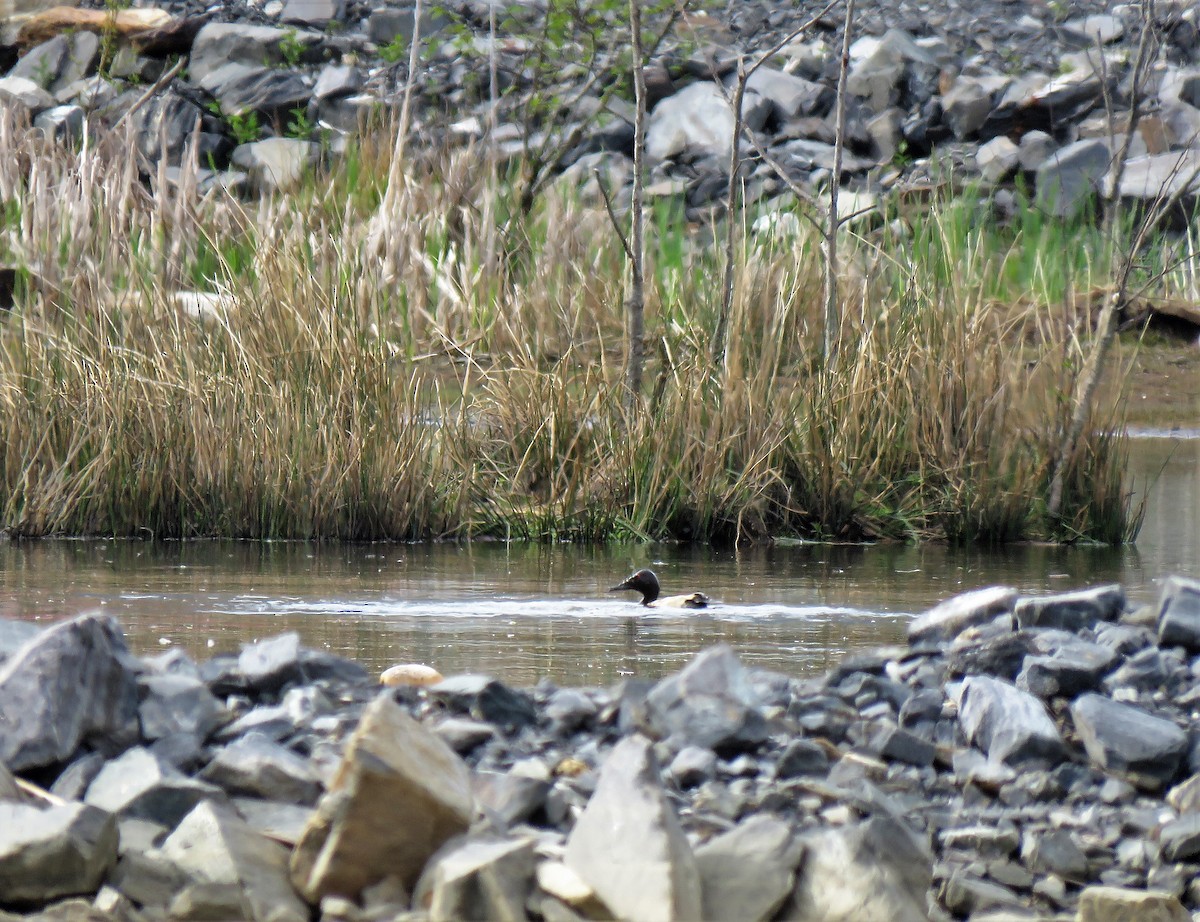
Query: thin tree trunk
[
  {"x": 635, "y": 301},
  {"x": 832, "y": 313},
  {"x": 731, "y": 223}
]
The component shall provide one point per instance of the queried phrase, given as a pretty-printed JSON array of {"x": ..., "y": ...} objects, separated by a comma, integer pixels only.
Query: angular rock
[
  {"x": 880, "y": 65},
  {"x": 969, "y": 102},
  {"x": 177, "y": 704},
  {"x": 256, "y": 765},
  {"x": 948, "y": 619},
  {"x": 981, "y": 841},
  {"x": 1180, "y": 839},
  {"x": 487, "y": 699},
  {"x": 70, "y": 683},
  {"x": 1071, "y": 611},
  {"x": 1055, "y": 852},
  {"x": 337, "y": 80},
  {"x": 399, "y": 794},
  {"x": 222, "y": 856},
  {"x": 1036, "y": 148},
  {"x": 964, "y": 894},
  {"x": 1010, "y": 725},
  {"x": 802, "y": 757},
  {"x": 511, "y": 798},
  {"x": 1179, "y": 612},
  {"x": 220, "y": 43},
  {"x": 748, "y": 872},
  {"x": 53, "y": 852},
  {"x": 699, "y": 120},
  {"x": 164, "y": 126},
  {"x": 628, "y": 845},
  {"x": 1070, "y": 665},
  {"x": 484, "y": 878},
  {"x": 1122, "y": 738},
  {"x": 138, "y": 785},
  {"x": 464, "y": 735},
  {"x": 61, "y": 123},
  {"x": 693, "y": 765},
  {"x": 1072, "y": 176},
  {"x": 1117, "y": 904},
  {"x": 899, "y": 745},
  {"x": 997, "y": 159},
  {"x": 24, "y": 92},
  {"x": 790, "y": 96},
  {"x": 875, "y": 871},
  {"x": 270, "y": 93}
]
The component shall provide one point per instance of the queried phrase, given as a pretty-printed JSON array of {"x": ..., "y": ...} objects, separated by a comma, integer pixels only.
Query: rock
[
  {"x": 221, "y": 43},
  {"x": 875, "y": 871},
  {"x": 269, "y": 93},
  {"x": 1010, "y": 725},
  {"x": 64, "y": 19},
  {"x": 483, "y": 878},
  {"x": 789, "y": 96},
  {"x": 340, "y": 80},
  {"x": 1055, "y": 852},
  {"x": 229, "y": 864},
  {"x": 967, "y": 895},
  {"x": 1180, "y": 839},
  {"x": 709, "y": 703},
  {"x": 61, "y": 123},
  {"x": 24, "y": 92},
  {"x": 899, "y": 745},
  {"x": 164, "y": 126},
  {"x": 693, "y": 765},
  {"x": 969, "y": 102},
  {"x": 138, "y": 785},
  {"x": 1179, "y": 612},
  {"x": 256, "y": 765},
  {"x": 699, "y": 120},
  {"x": 1036, "y": 148},
  {"x": 748, "y": 872},
  {"x": 70, "y": 683},
  {"x": 1071, "y": 665},
  {"x": 511, "y": 798},
  {"x": 398, "y": 795},
  {"x": 1071, "y": 177},
  {"x": 487, "y": 699},
  {"x": 981, "y": 841},
  {"x": 997, "y": 159},
  {"x": 464, "y": 735},
  {"x": 1071, "y": 611},
  {"x": 283, "y": 822},
  {"x": 879, "y": 66},
  {"x": 802, "y": 757},
  {"x": 1115, "y": 904},
  {"x": 315, "y": 13},
  {"x": 948, "y": 619},
  {"x": 628, "y": 846},
  {"x": 1122, "y": 738},
  {"x": 1099, "y": 28},
  {"x": 177, "y": 704},
  {"x": 58, "y": 851}
]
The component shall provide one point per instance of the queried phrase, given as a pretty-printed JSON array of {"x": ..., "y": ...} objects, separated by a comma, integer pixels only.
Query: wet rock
[
  {"x": 628, "y": 845},
  {"x": 137, "y": 784},
  {"x": 1071, "y": 611},
  {"x": 948, "y": 619},
  {"x": 399, "y": 794},
  {"x": 699, "y": 120},
  {"x": 486, "y": 699},
  {"x": 53, "y": 852},
  {"x": 177, "y": 704},
  {"x": 71, "y": 683},
  {"x": 748, "y": 872},
  {"x": 256, "y": 765},
  {"x": 229, "y": 865},
  {"x": 710, "y": 703},
  {"x": 1071, "y": 177},
  {"x": 1179, "y": 613},
  {"x": 1010, "y": 725},
  {"x": 1120, "y": 737},
  {"x": 482, "y": 878},
  {"x": 1116, "y": 904},
  {"x": 875, "y": 871}
]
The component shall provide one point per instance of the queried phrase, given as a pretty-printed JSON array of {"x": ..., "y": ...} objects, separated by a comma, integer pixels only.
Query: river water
[{"x": 524, "y": 612}]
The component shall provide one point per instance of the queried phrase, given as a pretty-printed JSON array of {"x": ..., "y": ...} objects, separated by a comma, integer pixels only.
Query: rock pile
[
  {"x": 996, "y": 92},
  {"x": 1020, "y": 758}
]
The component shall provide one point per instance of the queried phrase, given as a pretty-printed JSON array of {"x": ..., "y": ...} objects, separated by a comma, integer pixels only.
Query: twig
[
  {"x": 612, "y": 216},
  {"x": 154, "y": 90}
]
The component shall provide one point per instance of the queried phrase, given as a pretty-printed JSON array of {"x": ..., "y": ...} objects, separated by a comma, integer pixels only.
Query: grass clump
[{"x": 451, "y": 369}]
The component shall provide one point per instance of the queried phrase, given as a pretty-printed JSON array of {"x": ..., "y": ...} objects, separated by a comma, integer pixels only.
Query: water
[{"x": 527, "y": 612}]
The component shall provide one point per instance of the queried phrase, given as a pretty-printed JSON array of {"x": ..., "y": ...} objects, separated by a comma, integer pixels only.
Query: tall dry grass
[{"x": 466, "y": 381}]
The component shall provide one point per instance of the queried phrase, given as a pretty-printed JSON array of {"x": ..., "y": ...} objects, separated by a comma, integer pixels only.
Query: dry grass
[{"x": 450, "y": 371}]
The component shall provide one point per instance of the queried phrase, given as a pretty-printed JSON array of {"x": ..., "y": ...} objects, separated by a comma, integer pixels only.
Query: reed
[{"x": 465, "y": 380}]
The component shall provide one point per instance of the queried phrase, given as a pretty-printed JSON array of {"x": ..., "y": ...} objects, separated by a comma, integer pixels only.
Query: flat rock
[
  {"x": 70, "y": 683},
  {"x": 269, "y": 92},
  {"x": 627, "y": 844},
  {"x": 54, "y": 852},
  {"x": 1071, "y": 611},
  {"x": 1120, "y": 737},
  {"x": 221, "y": 43},
  {"x": 748, "y": 872},
  {"x": 1180, "y": 839},
  {"x": 486, "y": 699},
  {"x": 398, "y": 795},
  {"x": 1065, "y": 665},
  {"x": 1179, "y": 612},
  {"x": 1008, "y": 724},
  {"x": 137, "y": 784},
  {"x": 256, "y": 765},
  {"x": 484, "y": 877},
  {"x": 948, "y": 619},
  {"x": 1117, "y": 904}
]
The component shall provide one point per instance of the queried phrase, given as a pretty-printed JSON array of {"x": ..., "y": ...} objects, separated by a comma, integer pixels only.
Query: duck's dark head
[{"x": 643, "y": 581}]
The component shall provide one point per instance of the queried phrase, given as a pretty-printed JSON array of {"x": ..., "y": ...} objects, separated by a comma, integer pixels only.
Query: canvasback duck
[{"x": 645, "y": 582}]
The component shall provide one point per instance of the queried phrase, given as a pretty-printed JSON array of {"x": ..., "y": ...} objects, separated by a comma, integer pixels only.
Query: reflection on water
[{"x": 526, "y": 612}]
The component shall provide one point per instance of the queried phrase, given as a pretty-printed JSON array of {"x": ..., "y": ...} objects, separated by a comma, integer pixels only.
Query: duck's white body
[{"x": 645, "y": 582}]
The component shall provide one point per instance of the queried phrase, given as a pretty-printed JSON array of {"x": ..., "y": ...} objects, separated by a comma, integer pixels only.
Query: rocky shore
[
  {"x": 1003, "y": 94},
  {"x": 1020, "y": 758}
]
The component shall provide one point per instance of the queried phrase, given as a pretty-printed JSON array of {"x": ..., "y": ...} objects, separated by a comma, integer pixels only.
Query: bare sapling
[
  {"x": 833, "y": 223},
  {"x": 635, "y": 304}
]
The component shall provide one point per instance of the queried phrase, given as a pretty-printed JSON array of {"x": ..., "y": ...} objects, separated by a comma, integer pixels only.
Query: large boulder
[
  {"x": 1071, "y": 177},
  {"x": 398, "y": 795},
  {"x": 70, "y": 684},
  {"x": 628, "y": 846},
  {"x": 53, "y": 852}
]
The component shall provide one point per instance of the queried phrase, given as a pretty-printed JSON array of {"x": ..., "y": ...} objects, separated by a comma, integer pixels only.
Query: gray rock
[
  {"x": 879, "y": 64},
  {"x": 628, "y": 845},
  {"x": 875, "y": 871},
  {"x": 969, "y": 102},
  {"x": 464, "y": 735},
  {"x": 693, "y": 765},
  {"x": 61, "y": 123},
  {"x": 256, "y": 765},
  {"x": 486, "y": 699},
  {"x": 222, "y": 857},
  {"x": 1171, "y": 175},
  {"x": 709, "y": 703},
  {"x": 510, "y": 798},
  {"x": 699, "y": 120},
  {"x": 1071, "y": 665},
  {"x": 997, "y": 159},
  {"x": 981, "y": 841},
  {"x": 1179, "y": 613},
  {"x": 1036, "y": 148},
  {"x": 53, "y": 852},
  {"x": 1072, "y": 176},
  {"x": 484, "y": 878},
  {"x": 1122, "y": 738},
  {"x": 337, "y": 80},
  {"x": 1180, "y": 839},
  {"x": 948, "y": 619},
  {"x": 24, "y": 92},
  {"x": 276, "y": 164},
  {"x": 274, "y": 819},
  {"x": 138, "y": 785},
  {"x": 387, "y": 25},
  {"x": 269, "y": 92},
  {"x": 43, "y": 62},
  {"x": 815, "y": 155},
  {"x": 1102, "y": 28},
  {"x": 221, "y": 43},
  {"x": 72, "y": 783},
  {"x": 177, "y": 704},
  {"x": 164, "y": 125},
  {"x": 315, "y": 13},
  {"x": 965, "y": 894},
  {"x": 398, "y": 795},
  {"x": 15, "y": 634},
  {"x": 748, "y": 872},
  {"x": 1008, "y": 724},
  {"x": 1071, "y": 611},
  {"x": 790, "y": 96},
  {"x": 70, "y": 683},
  {"x": 802, "y": 757},
  {"x": 1054, "y": 851},
  {"x": 569, "y": 709}
]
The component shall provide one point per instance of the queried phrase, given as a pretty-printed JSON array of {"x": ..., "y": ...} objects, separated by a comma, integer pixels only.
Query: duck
[{"x": 645, "y": 582}]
